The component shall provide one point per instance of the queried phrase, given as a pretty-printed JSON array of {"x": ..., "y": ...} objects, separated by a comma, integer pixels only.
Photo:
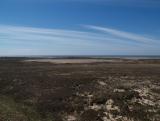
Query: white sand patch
[
  {"x": 142, "y": 92},
  {"x": 145, "y": 97},
  {"x": 101, "y": 83},
  {"x": 96, "y": 107},
  {"x": 71, "y": 118},
  {"x": 118, "y": 90},
  {"x": 110, "y": 106},
  {"x": 110, "y": 117},
  {"x": 146, "y": 102}
]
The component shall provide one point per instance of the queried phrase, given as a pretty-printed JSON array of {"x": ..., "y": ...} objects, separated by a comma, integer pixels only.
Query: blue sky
[{"x": 79, "y": 27}]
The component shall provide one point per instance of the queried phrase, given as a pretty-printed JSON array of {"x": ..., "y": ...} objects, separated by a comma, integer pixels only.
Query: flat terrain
[
  {"x": 74, "y": 61},
  {"x": 79, "y": 90}
]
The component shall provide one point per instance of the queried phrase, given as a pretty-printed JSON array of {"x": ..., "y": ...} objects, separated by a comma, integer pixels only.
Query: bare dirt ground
[{"x": 127, "y": 90}]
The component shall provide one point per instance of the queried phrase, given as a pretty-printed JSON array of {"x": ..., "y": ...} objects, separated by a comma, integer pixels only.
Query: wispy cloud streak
[
  {"x": 30, "y": 40},
  {"x": 123, "y": 34}
]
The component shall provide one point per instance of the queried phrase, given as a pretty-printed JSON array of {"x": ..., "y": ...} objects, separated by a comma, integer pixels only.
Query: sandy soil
[{"x": 74, "y": 61}]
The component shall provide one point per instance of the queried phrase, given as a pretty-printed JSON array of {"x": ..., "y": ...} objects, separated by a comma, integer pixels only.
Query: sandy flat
[{"x": 65, "y": 61}]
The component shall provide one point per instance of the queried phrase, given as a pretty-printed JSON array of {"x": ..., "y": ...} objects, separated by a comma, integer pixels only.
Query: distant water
[
  {"x": 135, "y": 57},
  {"x": 98, "y": 56}
]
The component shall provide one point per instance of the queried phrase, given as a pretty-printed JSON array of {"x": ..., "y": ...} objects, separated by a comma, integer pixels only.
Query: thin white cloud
[
  {"x": 54, "y": 35},
  {"x": 55, "y": 39},
  {"x": 18, "y": 40},
  {"x": 123, "y": 34}
]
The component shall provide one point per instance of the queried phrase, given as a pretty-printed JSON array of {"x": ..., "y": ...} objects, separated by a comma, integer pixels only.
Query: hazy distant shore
[{"x": 134, "y": 57}]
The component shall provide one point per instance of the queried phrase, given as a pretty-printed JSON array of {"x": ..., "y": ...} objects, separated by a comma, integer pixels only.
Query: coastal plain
[{"x": 111, "y": 89}]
